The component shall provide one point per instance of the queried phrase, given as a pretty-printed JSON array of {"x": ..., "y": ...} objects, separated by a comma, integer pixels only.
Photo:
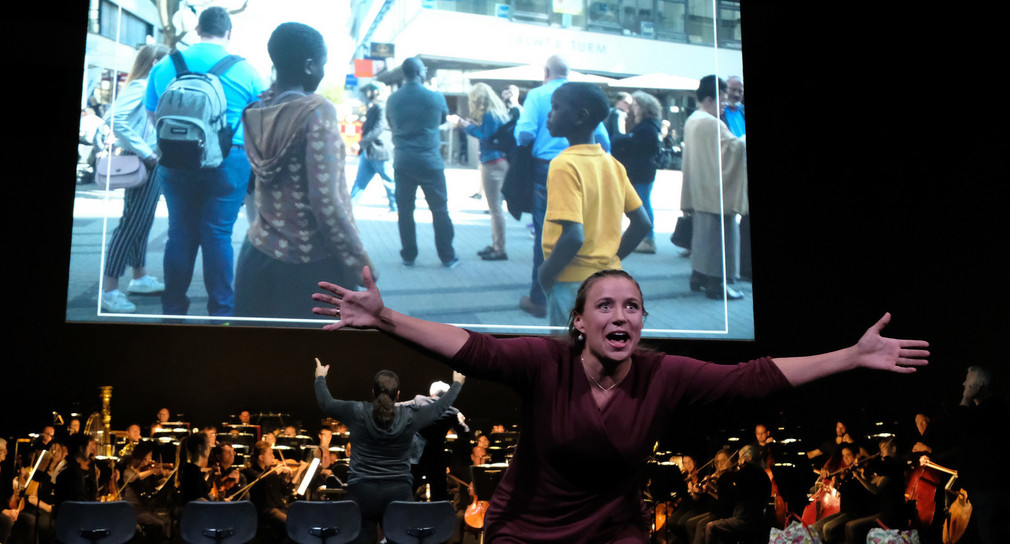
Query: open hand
[
  {"x": 895, "y": 355},
  {"x": 359, "y": 309}
]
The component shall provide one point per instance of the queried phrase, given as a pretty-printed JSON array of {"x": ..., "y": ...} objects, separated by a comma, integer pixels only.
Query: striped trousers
[{"x": 128, "y": 244}]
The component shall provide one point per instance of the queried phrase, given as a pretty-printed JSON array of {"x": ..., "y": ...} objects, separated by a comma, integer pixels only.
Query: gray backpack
[{"x": 190, "y": 120}]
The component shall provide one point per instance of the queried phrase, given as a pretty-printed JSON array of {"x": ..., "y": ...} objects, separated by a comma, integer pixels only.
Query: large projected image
[{"x": 196, "y": 246}]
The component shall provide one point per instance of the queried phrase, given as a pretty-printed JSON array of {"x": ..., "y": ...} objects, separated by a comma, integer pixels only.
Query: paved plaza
[{"x": 478, "y": 294}]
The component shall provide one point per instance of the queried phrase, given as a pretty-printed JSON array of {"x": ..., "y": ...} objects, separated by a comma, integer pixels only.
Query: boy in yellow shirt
[{"x": 588, "y": 193}]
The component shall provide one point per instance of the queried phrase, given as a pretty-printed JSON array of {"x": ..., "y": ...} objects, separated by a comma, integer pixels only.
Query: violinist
[
  {"x": 270, "y": 487},
  {"x": 194, "y": 474},
  {"x": 141, "y": 478},
  {"x": 714, "y": 495},
  {"x": 887, "y": 483},
  {"x": 77, "y": 481},
  {"x": 855, "y": 500},
  {"x": 226, "y": 478},
  {"x": 686, "y": 507},
  {"x": 751, "y": 491}
]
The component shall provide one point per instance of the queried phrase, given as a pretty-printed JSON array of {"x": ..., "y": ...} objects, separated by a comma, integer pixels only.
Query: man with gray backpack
[{"x": 196, "y": 98}]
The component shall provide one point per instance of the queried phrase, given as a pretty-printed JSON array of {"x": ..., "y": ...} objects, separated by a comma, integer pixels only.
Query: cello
[
  {"x": 921, "y": 491},
  {"x": 474, "y": 514}
]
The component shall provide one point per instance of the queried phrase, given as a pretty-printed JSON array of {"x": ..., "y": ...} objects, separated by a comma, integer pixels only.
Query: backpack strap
[
  {"x": 179, "y": 62},
  {"x": 224, "y": 64}
]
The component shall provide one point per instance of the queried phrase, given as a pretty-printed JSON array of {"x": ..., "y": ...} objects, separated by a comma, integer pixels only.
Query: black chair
[
  {"x": 419, "y": 522},
  {"x": 206, "y": 522},
  {"x": 323, "y": 522},
  {"x": 95, "y": 522}
]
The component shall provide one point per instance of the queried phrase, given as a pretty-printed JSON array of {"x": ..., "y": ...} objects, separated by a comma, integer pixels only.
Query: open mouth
[{"x": 618, "y": 339}]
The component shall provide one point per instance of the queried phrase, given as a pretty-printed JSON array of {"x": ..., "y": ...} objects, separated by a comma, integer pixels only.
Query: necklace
[{"x": 604, "y": 389}]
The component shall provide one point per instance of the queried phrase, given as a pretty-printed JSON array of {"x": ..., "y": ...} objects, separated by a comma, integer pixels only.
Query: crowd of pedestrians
[{"x": 283, "y": 157}]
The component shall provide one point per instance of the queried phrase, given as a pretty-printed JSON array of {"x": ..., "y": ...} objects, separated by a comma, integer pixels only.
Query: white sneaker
[
  {"x": 145, "y": 286},
  {"x": 116, "y": 302}
]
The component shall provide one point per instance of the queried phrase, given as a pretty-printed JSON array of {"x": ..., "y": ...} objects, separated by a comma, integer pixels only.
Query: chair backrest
[
  {"x": 95, "y": 522},
  {"x": 206, "y": 522},
  {"x": 323, "y": 522},
  {"x": 419, "y": 522}
]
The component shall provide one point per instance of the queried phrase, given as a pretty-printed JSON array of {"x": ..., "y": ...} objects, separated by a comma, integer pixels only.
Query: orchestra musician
[
  {"x": 78, "y": 480},
  {"x": 750, "y": 492},
  {"x": 887, "y": 483},
  {"x": 762, "y": 445},
  {"x": 479, "y": 454},
  {"x": 132, "y": 439},
  {"x": 44, "y": 439},
  {"x": 225, "y": 476},
  {"x": 8, "y": 516},
  {"x": 35, "y": 522},
  {"x": 585, "y": 392},
  {"x": 141, "y": 478},
  {"x": 162, "y": 418},
  {"x": 828, "y": 454},
  {"x": 381, "y": 435},
  {"x": 714, "y": 496},
  {"x": 194, "y": 484},
  {"x": 976, "y": 451},
  {"x": 855, "y": 501},
  {"x": 270, "y": 486}
]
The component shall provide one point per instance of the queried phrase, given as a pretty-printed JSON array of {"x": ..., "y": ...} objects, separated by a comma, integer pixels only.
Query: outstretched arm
[
  {"x": 365, "y": 310},
  {"x": 872, "y": 351}
]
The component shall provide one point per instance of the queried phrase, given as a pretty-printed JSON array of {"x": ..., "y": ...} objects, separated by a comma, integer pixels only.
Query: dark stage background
[{"x": 877, "y": 185}]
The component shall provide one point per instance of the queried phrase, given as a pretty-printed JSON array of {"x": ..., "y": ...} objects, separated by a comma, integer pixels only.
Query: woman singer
[{"x": 595, "y": 401}]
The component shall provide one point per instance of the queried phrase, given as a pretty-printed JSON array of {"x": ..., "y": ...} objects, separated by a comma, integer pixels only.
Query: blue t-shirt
[
  {"x": 735, "y": 120},
  {"x": 242, "y": 84},
  {"x": 532, "y": 124}
]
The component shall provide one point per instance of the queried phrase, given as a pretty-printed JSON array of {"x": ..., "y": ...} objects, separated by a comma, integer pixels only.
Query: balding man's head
[{"x": 556, "y": 67}]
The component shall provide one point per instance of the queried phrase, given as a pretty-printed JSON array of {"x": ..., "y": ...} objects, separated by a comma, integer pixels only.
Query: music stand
[{"x": 485, "y": 479}]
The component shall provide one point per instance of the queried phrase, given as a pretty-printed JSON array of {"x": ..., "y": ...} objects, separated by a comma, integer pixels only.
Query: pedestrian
[
  {"x": 304, "y": 224},
  {"x": 134, "y": 134},
  {"x": 489, "y": 115},
  {"x": 415, "y": 114}
]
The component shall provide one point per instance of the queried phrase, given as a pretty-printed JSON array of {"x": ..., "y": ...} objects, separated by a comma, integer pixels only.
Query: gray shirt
[
  {"x": 377, "y": 453},
  {"x": 415, "y": 114}
]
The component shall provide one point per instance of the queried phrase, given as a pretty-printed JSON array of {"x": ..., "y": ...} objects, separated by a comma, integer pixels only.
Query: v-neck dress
[{"x": 578, "y": 469}]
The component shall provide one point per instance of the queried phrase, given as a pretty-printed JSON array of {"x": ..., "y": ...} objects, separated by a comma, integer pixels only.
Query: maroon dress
[{"x": 578, "y": 470}]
